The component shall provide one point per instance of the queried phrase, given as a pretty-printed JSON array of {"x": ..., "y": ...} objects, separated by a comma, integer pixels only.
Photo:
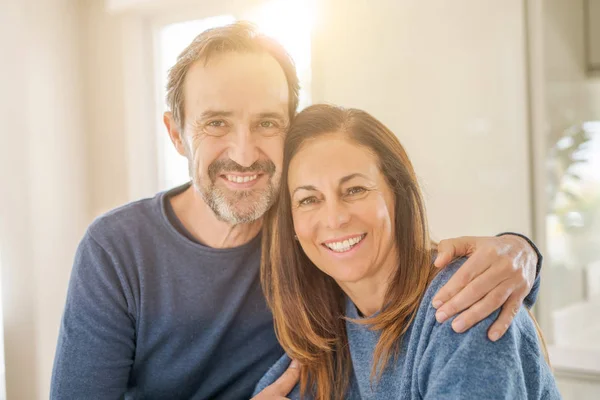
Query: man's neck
[{"x": 202, "y": 223}]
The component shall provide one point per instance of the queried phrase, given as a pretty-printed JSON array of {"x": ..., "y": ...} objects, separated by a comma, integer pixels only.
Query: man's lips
[
  {"x": 241, "y": 178},
  {"x": 238, "y": 180}
]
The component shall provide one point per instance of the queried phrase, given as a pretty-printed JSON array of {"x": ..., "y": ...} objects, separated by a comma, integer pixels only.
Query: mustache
[{"x": 219, "y": 166}]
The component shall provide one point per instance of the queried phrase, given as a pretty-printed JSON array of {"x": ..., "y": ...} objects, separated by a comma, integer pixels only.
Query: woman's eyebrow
[
  {"x": 352, "y": 176},
  {"x": 305, "y": 187},
  {"x": 341, "y": 182}
]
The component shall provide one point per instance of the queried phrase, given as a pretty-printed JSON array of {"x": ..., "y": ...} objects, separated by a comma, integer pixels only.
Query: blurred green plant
[{"x": 568, "y": 202}]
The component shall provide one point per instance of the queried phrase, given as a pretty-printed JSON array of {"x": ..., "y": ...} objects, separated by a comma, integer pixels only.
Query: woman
[{"x": 347, "y": 271}]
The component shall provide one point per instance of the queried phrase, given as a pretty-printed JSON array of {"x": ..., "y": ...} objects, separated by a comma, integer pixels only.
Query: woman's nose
[{"x": 337, "y": 214}]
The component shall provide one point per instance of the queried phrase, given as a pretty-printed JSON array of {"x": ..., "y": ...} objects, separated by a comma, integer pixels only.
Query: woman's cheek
[{"x": 302, "y": 225}]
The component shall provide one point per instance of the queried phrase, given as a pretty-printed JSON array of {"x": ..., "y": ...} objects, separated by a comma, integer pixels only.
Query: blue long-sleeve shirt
[
  {"x": 437, "y": 363},
  {"x": 152, "y": 314}
]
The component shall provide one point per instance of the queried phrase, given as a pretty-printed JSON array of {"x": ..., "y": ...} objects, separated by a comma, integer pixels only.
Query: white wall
[
  {"x": 43, "y": 170},
  {"x": 103, "y": 72},
  {"x": 18, "y": 306},
  {"x": 449, "y": 79}
]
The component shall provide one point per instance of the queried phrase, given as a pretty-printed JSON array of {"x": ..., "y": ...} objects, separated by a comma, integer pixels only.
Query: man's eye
[
  {"x": 308, "y": 201},
  {"x": 267, "y": 124},
  {"x": 217, "y": 123},
  {"x": 356, "y": 190}
]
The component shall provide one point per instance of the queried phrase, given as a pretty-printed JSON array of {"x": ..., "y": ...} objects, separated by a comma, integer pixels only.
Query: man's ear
[{"x": 174, "y": 132}]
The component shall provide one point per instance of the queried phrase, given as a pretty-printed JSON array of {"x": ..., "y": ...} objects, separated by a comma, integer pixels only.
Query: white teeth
[
  {"x": 240, "y": 179},
  {"x": 345, "y": 245}
]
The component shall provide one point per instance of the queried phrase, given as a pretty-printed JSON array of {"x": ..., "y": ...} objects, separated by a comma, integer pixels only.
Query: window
[
  {"x": 287, "y": 21},
  {"x": 573, "y": 238},
  {"x": 568, "y": 197}
]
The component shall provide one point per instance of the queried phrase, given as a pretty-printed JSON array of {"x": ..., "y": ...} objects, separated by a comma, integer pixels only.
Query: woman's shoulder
[
  {"x": 522, "y": 324},
  {"x": 470, "y": 357},
  {"x": 442, "y": 277}
]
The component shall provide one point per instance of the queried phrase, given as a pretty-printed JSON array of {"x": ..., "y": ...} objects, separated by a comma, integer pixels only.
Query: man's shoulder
[{"x": 124, "y": 221}]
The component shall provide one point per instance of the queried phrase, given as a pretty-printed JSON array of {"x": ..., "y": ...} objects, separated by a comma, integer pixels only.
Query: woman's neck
[
  {"x": 368, "y": 297},
  {"x": 368, "y": 294}
]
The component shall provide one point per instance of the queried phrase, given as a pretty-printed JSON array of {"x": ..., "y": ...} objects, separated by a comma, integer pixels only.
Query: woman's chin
[{"x": 346, "y": 273}]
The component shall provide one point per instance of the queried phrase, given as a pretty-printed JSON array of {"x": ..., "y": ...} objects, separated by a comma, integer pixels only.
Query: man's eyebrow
[
  {"x": 214, "y": 113},
  {"x": 274, "y": 115},
  {"x": 305, "y": 187}
]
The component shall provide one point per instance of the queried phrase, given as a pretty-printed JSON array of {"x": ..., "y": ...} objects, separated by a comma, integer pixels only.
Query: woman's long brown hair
[{"x": 308, "y": 306}]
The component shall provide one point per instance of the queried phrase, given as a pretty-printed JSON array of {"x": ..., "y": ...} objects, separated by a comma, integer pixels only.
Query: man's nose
[{"x": 244, "y": 148}]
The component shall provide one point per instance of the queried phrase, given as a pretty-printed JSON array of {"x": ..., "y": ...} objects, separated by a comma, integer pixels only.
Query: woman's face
[{"x": 343, "y": 209}]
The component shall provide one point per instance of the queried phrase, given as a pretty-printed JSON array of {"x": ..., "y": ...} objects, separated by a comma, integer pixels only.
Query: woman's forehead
[{"x": 331, "y": 157}]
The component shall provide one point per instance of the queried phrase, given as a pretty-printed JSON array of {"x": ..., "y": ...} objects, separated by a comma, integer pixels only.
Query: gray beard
[{"x": 225, "y": 203}]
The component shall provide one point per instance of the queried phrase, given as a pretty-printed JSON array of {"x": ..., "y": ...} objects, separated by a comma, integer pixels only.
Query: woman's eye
[
  {"x": 355, "y": 190},
  {"x": 308, "y": 201}
]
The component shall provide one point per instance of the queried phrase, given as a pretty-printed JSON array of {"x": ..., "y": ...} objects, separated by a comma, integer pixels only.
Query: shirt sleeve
[
  {"x": 96, "y": 342},
  {"x": 469, "y": 366}
]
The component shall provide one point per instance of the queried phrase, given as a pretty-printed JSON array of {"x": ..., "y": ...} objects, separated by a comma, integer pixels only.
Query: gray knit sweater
[{"x": 437, "y": 363}]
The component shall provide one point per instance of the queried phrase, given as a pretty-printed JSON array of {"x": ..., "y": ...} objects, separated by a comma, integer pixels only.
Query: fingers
[
  {"x": 469, "y": 296},
  {"x": 507, "y": 315},
  {"x": 284, "y": 385},
  {"x": 473, "y": 267},
  {"x": 449, "y": 249},
  {"x": 483, "y": 308}
]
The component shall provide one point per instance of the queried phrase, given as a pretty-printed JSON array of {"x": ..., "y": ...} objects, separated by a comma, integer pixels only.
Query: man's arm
[
  {"x": 96, "y": 342},
  {"x": 501, "y": 272}
]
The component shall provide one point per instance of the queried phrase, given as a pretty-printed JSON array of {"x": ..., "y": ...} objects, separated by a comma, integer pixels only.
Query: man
[{"x": 165, "y": 299}]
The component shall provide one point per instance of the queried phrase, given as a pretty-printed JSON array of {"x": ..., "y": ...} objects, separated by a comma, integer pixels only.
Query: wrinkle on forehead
[{"x": 244, "y": 84}]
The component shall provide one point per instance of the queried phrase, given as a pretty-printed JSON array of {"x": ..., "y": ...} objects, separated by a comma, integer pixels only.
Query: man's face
[{"x": 236, "y": 115}]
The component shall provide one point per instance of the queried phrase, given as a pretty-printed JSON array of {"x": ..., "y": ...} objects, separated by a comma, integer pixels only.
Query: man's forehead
[{"x": 247, "y": 83}]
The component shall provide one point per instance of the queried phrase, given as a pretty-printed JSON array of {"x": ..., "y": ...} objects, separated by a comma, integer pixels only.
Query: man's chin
[
  {"x": 252, "y": 213},
  {"x": 238, "y": 206},
  {"x": 242, "y": 211},
  {"x": 236, "y": 217}
]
